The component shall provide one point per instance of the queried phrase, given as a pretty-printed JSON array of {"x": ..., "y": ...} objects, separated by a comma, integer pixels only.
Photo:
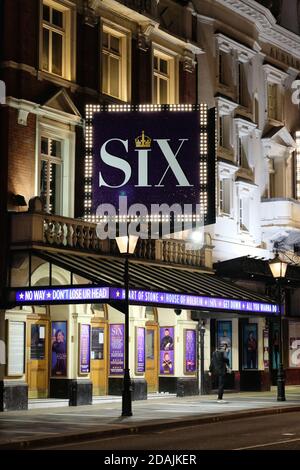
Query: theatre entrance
[
  {"x": 99, "y": 354},
  {"x": 151, "y": 374},
  {"x": 37, "y": 343}
]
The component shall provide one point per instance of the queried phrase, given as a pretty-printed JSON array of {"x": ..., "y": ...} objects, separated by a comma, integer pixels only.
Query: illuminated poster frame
[
  {"x": 190, "y": 351},
  {"x": 166, "y": 350},
  {"x": 206, "y": 154},
  {"x": 84, "y": 350}
]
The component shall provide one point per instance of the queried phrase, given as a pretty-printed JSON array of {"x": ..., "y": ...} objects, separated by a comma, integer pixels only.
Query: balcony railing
[{"x": 29, "y": 229}]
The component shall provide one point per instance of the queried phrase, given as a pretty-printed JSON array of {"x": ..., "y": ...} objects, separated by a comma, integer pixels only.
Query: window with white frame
[
  {"x": 51, "y": 174},
  {"x": 244, "y": 214},
  {"x": 114, "y": 63},
  {"x": 56, "y": 39},
  {"x": 274, "y": 104},
  {"x": 274, "y": 79},
  {"x": 225, "y": 196},
  {"x": 163, "y": 78}
]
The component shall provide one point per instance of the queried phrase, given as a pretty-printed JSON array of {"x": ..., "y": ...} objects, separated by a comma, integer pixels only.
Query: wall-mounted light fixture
[{"x": 18, "y": 200}]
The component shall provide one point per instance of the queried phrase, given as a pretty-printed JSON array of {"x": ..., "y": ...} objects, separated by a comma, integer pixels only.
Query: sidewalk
[{"x": 41, "y": 427}]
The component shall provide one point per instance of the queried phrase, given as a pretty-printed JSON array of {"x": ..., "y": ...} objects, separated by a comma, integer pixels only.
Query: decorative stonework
[
  {"x": 274, "y": 75},
  {"x": 22, "y": 117},
  {"x": 244, "y": 127},
  {"x": 143, "y": 42},
  {"x": 189, "y": 64},
  {"x": 269, "y": 31},
  {"x": 89, "y": 17},
  {"x": 225, "y": 44},
  {"x": 225, "y": 107},
  {"x": 143, "y": 37}
]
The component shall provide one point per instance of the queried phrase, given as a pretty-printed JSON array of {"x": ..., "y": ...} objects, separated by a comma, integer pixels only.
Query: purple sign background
[
  {"x": 85, "y": 341},
  {"x": 161, "y": 186},
  {"x": 85, "y": 295},
  {"x": 140, "y": 350},
  {"x": 190, "y": 300},
  {"x": 166, "y": 355},
  {"x": 190, "y": 351},
  {"x": 116, "y": 349}
]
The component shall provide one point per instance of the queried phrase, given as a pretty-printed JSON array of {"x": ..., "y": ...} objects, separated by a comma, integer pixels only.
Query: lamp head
[
  {"x": 127, "y": 244},
  {"x": 278, "y": 267}
]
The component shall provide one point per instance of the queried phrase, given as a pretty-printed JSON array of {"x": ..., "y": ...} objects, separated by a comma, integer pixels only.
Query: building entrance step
[
  {"x": 113, "y": 398},
  {"x": 35, "y": 403}
]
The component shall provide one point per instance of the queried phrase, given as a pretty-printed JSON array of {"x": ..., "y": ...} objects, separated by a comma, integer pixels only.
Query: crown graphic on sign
[{"x": 143, "y": 141}]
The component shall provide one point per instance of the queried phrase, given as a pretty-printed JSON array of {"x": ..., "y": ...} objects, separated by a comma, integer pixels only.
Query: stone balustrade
[
  {"x": 71, "y": 233},
  {"x": 51, "y": 230}
]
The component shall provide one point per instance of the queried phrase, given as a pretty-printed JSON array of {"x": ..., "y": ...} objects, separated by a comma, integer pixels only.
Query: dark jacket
[{"x": 219, "y": 363}]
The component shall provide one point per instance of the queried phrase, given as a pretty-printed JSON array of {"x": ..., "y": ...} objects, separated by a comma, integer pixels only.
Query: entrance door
[
  {"x": 38, "y": 358},
  {"x": 152, "y": 358},
  {"x": 99, "y": 359}
]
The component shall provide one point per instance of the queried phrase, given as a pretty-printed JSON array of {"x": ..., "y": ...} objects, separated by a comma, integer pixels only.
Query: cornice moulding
[
  {"x": 244, "y": 127},
  {"x": 224, "y": 106},
  {"x": 225, "y": 43},
  {"x": 274, "y": 74},
  {"x": 265, "y": 24},
  {"x": 43, "y": 111}
]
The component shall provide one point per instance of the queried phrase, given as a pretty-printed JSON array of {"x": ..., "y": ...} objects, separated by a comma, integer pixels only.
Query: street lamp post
[
  {"x": 278, "y": 269},
  {"x": 201, "y": 329},
  {"x": 126, "y": 246}
]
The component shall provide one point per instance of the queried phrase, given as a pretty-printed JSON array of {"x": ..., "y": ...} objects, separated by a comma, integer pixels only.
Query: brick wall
[
  {"x": 21, "y": 31},
  {"x": 21, "y": 171},
  {"x": 187, "y": 86}
]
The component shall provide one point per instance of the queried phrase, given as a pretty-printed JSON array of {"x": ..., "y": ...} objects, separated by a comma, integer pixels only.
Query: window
[
  {"x": 163, "y": 79},
  {"x": 221, "y": 132},
  {"x": 224, "y": 132},
  {"x": 273, "y": 101},
  {"x": 275, "y": 81},
  {"x": 51, "y": 174},
  {"x": 54, "y": 40},
  {"x": 225, "y": 68},
  {"x": 242, "y": 156},
  {"x": 272, "y": 184},
  {"x": 244, "y": 214},
  {"x": 242, "y": 90},
  {"x": 114, "y": 71},
  {"x": 225, "y": 189},
  {"x": 256, "y": 111}
]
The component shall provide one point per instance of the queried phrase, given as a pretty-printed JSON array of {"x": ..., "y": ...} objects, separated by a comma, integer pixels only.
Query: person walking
[{"x": 218, "y": 368}]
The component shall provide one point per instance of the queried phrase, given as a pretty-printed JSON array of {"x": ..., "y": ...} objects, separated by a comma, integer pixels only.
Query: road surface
[{"x": 275, "y": 432}]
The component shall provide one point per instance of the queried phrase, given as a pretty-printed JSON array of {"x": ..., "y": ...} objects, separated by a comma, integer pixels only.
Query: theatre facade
[
  {"x": 64, "y": 324},
  {"x": 62, "y": 321}
]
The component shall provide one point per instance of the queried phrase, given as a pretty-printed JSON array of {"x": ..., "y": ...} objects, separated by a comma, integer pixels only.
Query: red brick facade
[{"x": 21, "y": 169}]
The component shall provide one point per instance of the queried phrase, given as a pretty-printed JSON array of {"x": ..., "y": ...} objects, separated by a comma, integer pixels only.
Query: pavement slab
[{"x": 37, "y": 427}]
